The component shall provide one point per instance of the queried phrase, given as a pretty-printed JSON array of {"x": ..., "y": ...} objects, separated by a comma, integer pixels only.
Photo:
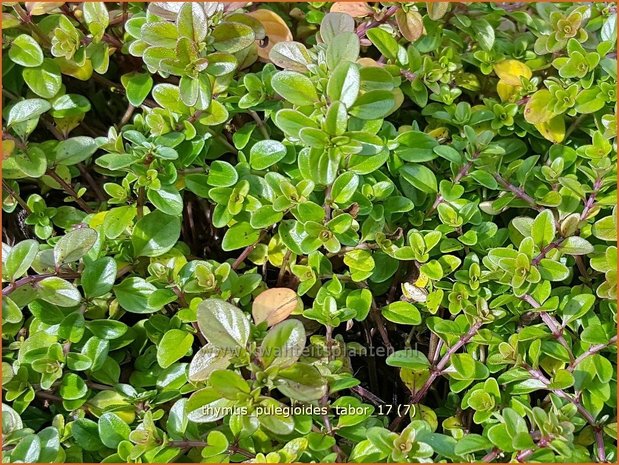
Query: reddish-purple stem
[
  {"x": 597, "y": 429},
  {"x": 463, "y": 172},
  {"x": 555, "y": 328},
  {"x": 34, "y": 279},
  {"x": 437, "y": 370},
  {"x": 594, "y": 349},
  {"x": 361, "y": 30},
  {"x": 518, "y": 192}
]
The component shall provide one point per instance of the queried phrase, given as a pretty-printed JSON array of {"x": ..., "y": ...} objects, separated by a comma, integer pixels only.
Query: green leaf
[
  {"x": 72, "y": 387},
  {"x": 208, "y": 359},
  {"x": 74, "y": 245},
  {"x": 264, "y": 217},
  {"x": 266, "y": 153},
  {"x": 137, "y": 87},
  {"x": 238, "y": 236},
  {"x": 107, "y": 329},
  {"x": 483, "y": 33},
  {"x": 222, "y": 174},
  {"x": 283, "y": 344},
  {"x": 26, "y": 51},
  {"x": 19, "y": 259},
  {"x": 167, "y": 199},
  {"x": 44, "y": 80},
  {"x": 295, "y": 87},
  {"x": 173, "y": 346},
  {"x": 421, "y": 177},
  {"x": 217, "y": 444},
  {"x": 59, "y": 292},
  {"x": 576, "y": 245},
  {"x": 577, "y": 307},
  {"x": 26, "y": 110},
  {"x": 292, "y": 121},
  {"x": 335, "y": 23},
  {"x": 344, "y": 84},
  {"x": 75, "y": 150},
  {"x": 155, "y": 234},
  {"x": 606, "y": 229},
  {"x": 229, "y": 384},
  {"x": 27, "y": 450},
  {"x": 232, "y": 37},
  {"x": 223, "y": 324},
  {"x": 384, "y": 42},
  {"x": 343, "y": 48},
  {"x": 50, "y": 444},
  {"x": 112, "y": 430},
  {"x": 291, "y": 56},
  {"x": 132, "y": 294},
  {"x": 97, "y": 17},
  {"x": 160, "y": 33},
  {"x": 472, "y": 443},
  {"x": 402, "y": 313},
  {"x": 374, "y": 104},
  {"x": 410, "y": 359},
  {"x": 344, "y": 187},
  {"x": 86, "y": 434},
  {"x": 192, "y": 22},
  {"x": 301, "y": 382},
  {"x": 543, "y": 229}
]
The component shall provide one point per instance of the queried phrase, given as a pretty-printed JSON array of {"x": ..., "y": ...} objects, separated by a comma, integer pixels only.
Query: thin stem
[
  {"x": 16, "y": 196},
  {"x": 34, "y": 279},
  {"x": 597, "y": 429},
  {"x": 92, "y": 183},
  {"x": 537, "y": 374},
  {"x": 377, "y": 316},
  {"x": 464, "y": 170},
  {"x": 260, "y": 124},
  {"x": 69, "y": 190},
  {"x": 284, "y": 268},
  {"x": 591, "y": 200},
  {"x": 555, "y": 327},
  {"x": 329, "y": 339},
  {"x": 371, "y": 397},
  {"x": 233, "y": 448},
  {"x": 553, "y": 245},
  {"x": 522, "y": 455},
  {"x": 361, "y": 30},
  {"x": 34, "y": 27},
  {"x": 18, "y": 143},
  {"x": 127, "y": 115},
  {"x": 361, "y": 246},
  {"x": 575, "y": 124},
  {"x": 140, "y": 202},
  {"x": 594, "y": 349},
  {"x": 223, "y": 140},
  {"x": 249, "y": 249},
  {"x": 490, "y": 456},
  {"x": 325, "y": 418},
  {"x": 436, "y": 372},
  {"x": 518, "y": 192}
]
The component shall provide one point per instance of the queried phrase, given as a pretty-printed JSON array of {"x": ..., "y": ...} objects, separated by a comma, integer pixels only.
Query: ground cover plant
[{"x": 309, "y": 232}]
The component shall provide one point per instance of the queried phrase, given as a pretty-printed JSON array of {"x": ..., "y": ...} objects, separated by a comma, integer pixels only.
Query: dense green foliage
[{"x": 309, "y": 232}]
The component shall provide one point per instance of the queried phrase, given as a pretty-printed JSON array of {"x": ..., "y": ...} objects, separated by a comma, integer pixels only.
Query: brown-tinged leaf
[
  {"x": 410, "y": 24},
  {"x": 365, "y": 61},
  {"x": 274, "y": 305},
  {"x": 7, "y": 148},
  {"x": 40, "y": 8},
  {"x": 436, "y": 10},
  {"x": 354, "y": 9},
  {"x": 276, "y": 31}
]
